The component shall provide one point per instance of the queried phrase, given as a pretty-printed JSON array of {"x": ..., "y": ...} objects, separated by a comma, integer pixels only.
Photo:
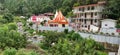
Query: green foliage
[
  {"x": 3, "y": 21},
  {"x": 12, "y": 26},
  {"x": 31, "y": 31},
  {"x": 11, "y": 38},
  {"x": 57, "y": 43},
  {"x": 28, "y": 7},
  {"x": 31, "y": 24},
  {"x": 112, "y": 9},
  {"x": 7, "y": 17},
  {"x": 66, "y": 31},
  {"x": 51, "y": 37},
  {"x": 10, "y": 51},
  {"x": 118, "y": 26},
  {"x": 25, "y": 52}
]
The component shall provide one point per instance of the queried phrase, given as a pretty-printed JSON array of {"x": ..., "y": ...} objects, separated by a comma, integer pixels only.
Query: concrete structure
[
  {"x": 58, "y": 21},
  {"x": 39, "y": 18},
  {"x": 102, "y": 38},
  {"x": 108, "y": 23},
  {"x": 108, "y": 26},
  {"x": 88, "y": 15}
]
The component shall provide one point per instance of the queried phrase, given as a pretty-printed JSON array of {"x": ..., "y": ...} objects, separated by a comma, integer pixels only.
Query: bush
[
  {"x": 113, "y": 33},
  {"x": 66, "y": 31},
  {"x": 10, "y": 51},
  {"x": 11, "y": 39},
  {"x": 12, "y": 26},
  {"x": 107, "y": 34},
  {"x": 101, "y": 33},
  {"x": 8, "y": 17}
]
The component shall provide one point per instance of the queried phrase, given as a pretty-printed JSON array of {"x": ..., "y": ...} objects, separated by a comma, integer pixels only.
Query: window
[
  {"x": 95, "y": 21},
  {"x": 82, "y": 25},
  {"x": 63, "y": 25},
  {"x": 80, "y": 20},
  {"x": 79, "y": 9},
  {"x": 88, "y": 8},
  {"x": 51, "y": 25},
  {"x": 85, "y": 26},
  {"x": 95, "y": 14},
  {"x": 92, "y": 8},
  {"x": 85, "y": 15},
  {"x": 91, "y": 15},
  {"x": 91, "y": 21},
  {"x": 105, "y": 24},
  {"x": 82, "y": 14},
  {"x": 83, "y": 9},
  {"x": 56, "y": 25},
  {"x": 85, "y": 21}
]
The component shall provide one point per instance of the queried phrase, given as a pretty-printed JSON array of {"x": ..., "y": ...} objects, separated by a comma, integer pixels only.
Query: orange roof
[{"x": 59, "y": 18}]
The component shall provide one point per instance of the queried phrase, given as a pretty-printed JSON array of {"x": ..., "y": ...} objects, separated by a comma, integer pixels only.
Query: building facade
[
  {"x": 58, "y": 21},
  {"x": 87, "y": 17},
  {"x": 108, "y": 26}
]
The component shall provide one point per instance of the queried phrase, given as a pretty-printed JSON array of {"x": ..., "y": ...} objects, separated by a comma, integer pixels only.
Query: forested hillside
[{"x": 27, "y": 7}]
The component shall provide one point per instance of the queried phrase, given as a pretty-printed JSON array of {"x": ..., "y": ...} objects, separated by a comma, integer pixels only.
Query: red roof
[{"x": 59, "y": 18}]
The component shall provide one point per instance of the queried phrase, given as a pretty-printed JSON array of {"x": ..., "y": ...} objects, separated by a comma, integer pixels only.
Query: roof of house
[{"x": 59, "y": 18}]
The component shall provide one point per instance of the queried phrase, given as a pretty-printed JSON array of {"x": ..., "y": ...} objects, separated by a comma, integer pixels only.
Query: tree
[
  {"x": 56, "y": 44},
  {"x": 11, "y": 38},
  {"x": 8, "y": 17},
  {"x": 12, "y": 26},
  {"x": 112, "y": 9}
]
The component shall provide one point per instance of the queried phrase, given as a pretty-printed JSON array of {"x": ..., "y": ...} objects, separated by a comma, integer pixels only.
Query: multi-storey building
[{"x": 87, "y": 17}]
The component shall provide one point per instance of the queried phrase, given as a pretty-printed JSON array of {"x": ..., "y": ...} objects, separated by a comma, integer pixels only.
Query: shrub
[
  {"x": 12, "y": 26},
  {"x": 101, "y": 33},
  {"x": 8, "y": 17},
  {"x": 113, "y": 33},
  {"x": 107, "y": 34},
  {"x": 11, "y": 39},
  {"x": 66, "y": 31},
  {"x": 10, "y": 51}
]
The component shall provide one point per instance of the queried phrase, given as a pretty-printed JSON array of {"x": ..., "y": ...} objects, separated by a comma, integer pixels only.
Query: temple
[{"x": 58, "y": 21}]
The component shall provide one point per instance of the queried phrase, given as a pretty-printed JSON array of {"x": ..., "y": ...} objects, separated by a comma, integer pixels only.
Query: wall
[
  {"x": 109, "y": 24},
  {"x": 102, "y": 38},
  {"x": 110, "y": 31}
]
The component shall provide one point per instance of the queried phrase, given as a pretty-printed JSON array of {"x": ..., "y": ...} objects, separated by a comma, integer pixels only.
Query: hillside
[{"x": 28, "y": 7}]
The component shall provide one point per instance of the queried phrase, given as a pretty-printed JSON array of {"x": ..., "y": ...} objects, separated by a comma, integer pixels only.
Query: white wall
[
  {"x": 108, "y": 30},
  {"x": 109, "y": 24},
  {"x": 93, "y": 28}
]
